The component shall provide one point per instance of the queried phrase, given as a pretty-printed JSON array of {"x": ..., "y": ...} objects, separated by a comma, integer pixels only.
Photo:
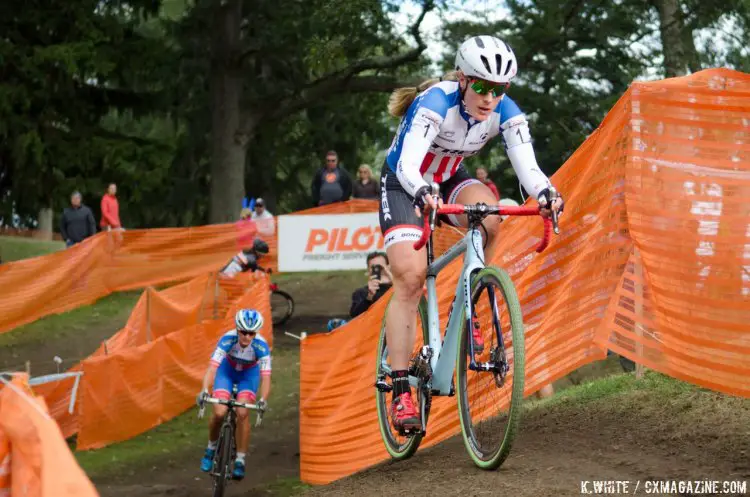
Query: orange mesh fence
[
  {"x": 683, "y": 305},
  {"x": 116, "y": 261},
  {"x": 203, "y": 308},
  {"x": 35, "y": 461},
  {"x": 652, "y": 261},
  {"x": 190, "y": 308},
  {"x": 129, "y": 392}
]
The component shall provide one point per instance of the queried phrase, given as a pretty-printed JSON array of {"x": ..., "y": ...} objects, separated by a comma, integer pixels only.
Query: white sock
[
  {"x": 212, "y": 445},
  {"x": 240, "y": 457}
]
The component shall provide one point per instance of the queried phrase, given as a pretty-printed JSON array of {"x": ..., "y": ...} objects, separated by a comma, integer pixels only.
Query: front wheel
[
  {"x": 400, "y": 447},
  {"x": 282, "y": 307},
  {"x": 223, "y": 460},
  {"x": 490, "y": 382}
]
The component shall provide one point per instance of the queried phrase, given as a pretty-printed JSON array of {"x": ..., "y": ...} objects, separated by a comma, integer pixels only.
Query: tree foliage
[
  {"x": 190, "y": 104},
  {"x": 577, "y": 57},
  {"x": 64, "y": 68}
]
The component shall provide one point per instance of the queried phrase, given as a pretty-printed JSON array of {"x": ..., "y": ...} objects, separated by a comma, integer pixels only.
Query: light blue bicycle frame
[{"x": 443, "y": 360}]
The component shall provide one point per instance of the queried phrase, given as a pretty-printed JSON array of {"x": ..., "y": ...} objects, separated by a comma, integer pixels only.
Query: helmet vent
[
  {"x": 486, "y": 64},
  {"x": 479, "y": 42},
  {"x": 499, "y": 63},
  {"x": 507, "y": 67}
]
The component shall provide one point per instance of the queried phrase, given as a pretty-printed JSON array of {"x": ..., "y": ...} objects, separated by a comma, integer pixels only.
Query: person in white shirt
[{"x": 263, "y": 219}]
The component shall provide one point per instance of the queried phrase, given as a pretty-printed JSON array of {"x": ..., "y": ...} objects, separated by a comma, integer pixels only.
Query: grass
[
  {"x": 610, "y": 388},
  {"x": 59, "y": 326},
  {"x": 285, "y": 487},
  {"x": 15, "y": 248},
  {"x": 182, "y": 440}
]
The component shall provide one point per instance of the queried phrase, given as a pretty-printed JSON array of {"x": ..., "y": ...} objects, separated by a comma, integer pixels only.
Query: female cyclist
[{"x": 443, "y": 122}]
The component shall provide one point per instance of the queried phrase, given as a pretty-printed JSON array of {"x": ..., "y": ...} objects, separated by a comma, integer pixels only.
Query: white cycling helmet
[
  {"x": 248, "y": 320},
  {"x": 488, "y": 58}
]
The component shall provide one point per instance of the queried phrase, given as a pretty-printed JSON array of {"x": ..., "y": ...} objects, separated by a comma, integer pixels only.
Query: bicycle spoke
[{"x": 489, "y": 395}]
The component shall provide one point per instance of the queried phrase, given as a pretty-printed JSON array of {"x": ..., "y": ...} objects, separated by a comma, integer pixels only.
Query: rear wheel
[
  {"x": 400, "y": 446},
  {"x": 491, "y": 392},
  {"x": 282, "y": 307},
  {"x": 223, "y": 461}
]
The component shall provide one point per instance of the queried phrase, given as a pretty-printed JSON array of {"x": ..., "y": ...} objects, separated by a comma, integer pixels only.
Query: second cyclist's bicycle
[
  {"x": 226, "y": 448},
  {"x": 489, "y": 379}
]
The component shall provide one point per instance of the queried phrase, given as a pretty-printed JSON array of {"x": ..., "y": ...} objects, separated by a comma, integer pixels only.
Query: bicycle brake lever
[
  {"x": 552, "y": 196},
  {"x": 201, "y": 411},
  {"x": 435, "y": 192}
]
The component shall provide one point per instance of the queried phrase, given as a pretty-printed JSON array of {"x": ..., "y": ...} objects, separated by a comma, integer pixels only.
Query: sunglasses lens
[{"x": 483, "y": 87}]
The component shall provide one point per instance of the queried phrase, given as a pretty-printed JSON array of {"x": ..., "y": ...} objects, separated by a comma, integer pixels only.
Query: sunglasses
[
  {"x": 482, "y": 87},
  {"x": 246, "y": 332}
]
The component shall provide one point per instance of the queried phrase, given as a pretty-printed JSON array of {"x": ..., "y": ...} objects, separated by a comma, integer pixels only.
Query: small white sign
[{"x": 327, "y": 242}]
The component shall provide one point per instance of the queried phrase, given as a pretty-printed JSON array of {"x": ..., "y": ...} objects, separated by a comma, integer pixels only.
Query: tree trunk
[
  {"x": 671, "y": 24},
  {"x": 45, "y": 224},
  {"x": 227, "y": 145}
]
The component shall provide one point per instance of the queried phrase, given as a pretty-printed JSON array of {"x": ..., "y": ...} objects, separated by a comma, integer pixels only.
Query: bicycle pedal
[
  {"x": 409, "y": 432},
  {"x": 383, "y": 386}
]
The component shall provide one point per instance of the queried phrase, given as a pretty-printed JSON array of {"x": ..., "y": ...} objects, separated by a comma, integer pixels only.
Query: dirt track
[{"x": 557, "y": 450}]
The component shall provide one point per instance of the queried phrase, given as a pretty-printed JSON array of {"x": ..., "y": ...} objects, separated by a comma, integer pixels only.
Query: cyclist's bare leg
[
  {"x": 475, "y": 193},
  {"x": 409, "y": 268},
  {"x": 243, "y": 430},
  {"x": 214, "y": 424}
]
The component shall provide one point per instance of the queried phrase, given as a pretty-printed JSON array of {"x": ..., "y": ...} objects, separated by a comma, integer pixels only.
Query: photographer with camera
[{"x": 380, "y": 281}]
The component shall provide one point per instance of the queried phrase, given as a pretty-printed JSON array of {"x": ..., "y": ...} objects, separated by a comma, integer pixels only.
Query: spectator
[
  {"x": 263, "y": 219},
  {"x": 110, "y": 210},
  {"x": 379, "y": 283},
  {"x": 331, "y": 183},
  {"x": 365, "y": 186},
  {"x": 77, "y": 222},
  {"x": 484, "y": 178}
]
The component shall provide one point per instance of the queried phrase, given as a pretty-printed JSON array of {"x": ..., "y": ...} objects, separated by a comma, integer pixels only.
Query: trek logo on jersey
[
  {"x": 384, "y": 199},
  {"x": 437, "y": 149}
]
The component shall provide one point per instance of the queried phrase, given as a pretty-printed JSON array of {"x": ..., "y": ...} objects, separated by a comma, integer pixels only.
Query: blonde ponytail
[{"x": 401, "y": 98}]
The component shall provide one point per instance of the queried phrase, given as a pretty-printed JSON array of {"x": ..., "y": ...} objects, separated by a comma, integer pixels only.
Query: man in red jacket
[{"x": 110, "y": 210}]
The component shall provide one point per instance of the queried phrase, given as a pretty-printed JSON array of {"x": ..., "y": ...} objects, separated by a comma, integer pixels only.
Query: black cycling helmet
[{"x": 259, "y": 246}]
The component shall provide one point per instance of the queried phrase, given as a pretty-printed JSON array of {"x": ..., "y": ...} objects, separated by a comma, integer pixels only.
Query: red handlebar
[{"x": 498, "y": 210}]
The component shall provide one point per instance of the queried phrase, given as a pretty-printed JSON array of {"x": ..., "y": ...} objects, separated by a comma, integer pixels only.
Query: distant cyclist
[
  {"x": 247, "y": 260},
  {"x": 241, "y": 358},
  {"x": 444, "y": 121}
]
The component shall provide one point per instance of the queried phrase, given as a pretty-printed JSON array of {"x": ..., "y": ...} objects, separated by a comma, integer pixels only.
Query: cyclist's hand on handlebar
[
  {"x": 424, "y": 201},
  {"x": 262, "y": 405},
  {"x": 557, "y": 203},
  {"x": 201, "y": 398}
]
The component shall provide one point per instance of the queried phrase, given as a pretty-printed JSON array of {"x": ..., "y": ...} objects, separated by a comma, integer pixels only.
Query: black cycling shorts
[{"x": 398, "y": 221}]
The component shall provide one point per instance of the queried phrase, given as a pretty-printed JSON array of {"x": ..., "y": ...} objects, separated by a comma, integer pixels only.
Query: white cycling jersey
[
  {"x": 257, "y": 353},
  {"x": 436, "y": 134}
]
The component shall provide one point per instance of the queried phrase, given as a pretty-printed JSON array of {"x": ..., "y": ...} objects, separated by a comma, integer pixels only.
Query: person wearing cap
[
  {"x": 77, "y": 222},
  {"x": 263, "y": 219}
]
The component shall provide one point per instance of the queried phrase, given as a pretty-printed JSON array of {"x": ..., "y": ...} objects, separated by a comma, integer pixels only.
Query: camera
[{"x": 376, "y": 270}]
